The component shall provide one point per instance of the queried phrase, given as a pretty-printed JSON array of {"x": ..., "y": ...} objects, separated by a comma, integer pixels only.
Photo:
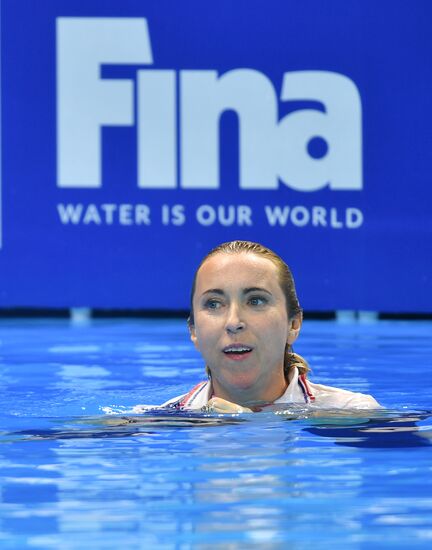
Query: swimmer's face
[{"x": 241, "y": 326}]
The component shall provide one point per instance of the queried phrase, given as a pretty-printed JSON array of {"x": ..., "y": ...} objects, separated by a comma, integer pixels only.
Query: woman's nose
[{"x": 234, "y": 322}]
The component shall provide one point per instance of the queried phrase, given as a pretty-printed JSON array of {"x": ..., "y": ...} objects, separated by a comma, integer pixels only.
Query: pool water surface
[{"x": 79, "y": 470}]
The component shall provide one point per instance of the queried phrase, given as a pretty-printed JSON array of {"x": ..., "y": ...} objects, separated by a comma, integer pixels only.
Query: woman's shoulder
[
  {"x": 331, "y": 397},
  {"x": 195, "y": 398}
]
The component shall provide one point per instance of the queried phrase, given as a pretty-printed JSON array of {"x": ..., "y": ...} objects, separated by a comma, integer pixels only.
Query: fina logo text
[{"x": 272, "y": 150}]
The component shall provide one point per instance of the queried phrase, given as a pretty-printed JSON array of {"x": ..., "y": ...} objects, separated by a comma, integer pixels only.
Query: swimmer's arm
[
  {"x": 362, "y": 401},
  {"x": 215, "y": 404},
  {"x": 139, "y": 409},
  {"x": 219, "y": 405},
  {"x": 330, "y": 397}
]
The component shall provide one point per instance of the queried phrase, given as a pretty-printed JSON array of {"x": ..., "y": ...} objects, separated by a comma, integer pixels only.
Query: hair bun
[{"x": 295, "y": 360}]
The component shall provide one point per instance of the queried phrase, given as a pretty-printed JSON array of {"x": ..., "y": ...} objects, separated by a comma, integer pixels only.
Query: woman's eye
[
  {"x": 257, "y": 301},
  {"x": 212, "y": 304}
]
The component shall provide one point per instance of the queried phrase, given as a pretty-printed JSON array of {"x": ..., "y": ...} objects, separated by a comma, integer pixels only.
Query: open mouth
[{"x": 237, "y": 351}]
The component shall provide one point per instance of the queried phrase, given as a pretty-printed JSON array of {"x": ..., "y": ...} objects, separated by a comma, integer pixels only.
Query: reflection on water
[
  {"x": 239, "y": 480},
  {"x": 397, "y": 431},
  {"x": 352, "y": 428}
]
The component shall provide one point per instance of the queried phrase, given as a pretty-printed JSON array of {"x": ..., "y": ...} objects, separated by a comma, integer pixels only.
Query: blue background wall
[{"x": 382, "y": 49}]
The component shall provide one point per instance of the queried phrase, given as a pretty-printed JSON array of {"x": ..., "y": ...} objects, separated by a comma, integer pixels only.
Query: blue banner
[{"x": 137, "y": 135}]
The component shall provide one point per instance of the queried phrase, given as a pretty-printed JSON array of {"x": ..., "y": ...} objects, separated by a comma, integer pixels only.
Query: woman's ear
[
  {"x": 294, "y": 329},
  {"x": 193, "y": 336}
]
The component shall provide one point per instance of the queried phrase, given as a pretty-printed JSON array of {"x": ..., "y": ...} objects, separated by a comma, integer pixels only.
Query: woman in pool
[{"x": 245, "y": 317}]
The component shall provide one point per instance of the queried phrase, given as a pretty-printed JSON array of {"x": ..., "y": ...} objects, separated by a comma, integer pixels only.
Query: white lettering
[
  {"x": 204, "y": 97},
  {"x": 206, "y": 215},
  {"x": 165, "y": 214},
  {"x": 109, "y": 210},
  {"x": 300, "y": 216},
  {"x": 70, "y": 213},
  {"x": 354, "y": 218},
  {"x": 173, "y": 214},
  {"x": 307, "y": 150},
  {"x": 224, "y": 215},
  {"x": 334, "y": 222},
  {"x": 244, "y": 215},
  {"x": 92, "y": 215},
  {"x": 277, "y": 215},
  {"x": 85, "y": 101},
  {"x": 339, "y": 125},
  {"x": 178, "y": 215},
  {"x": 319, "y": 216},
  {"x": 125, "y": 214},
  {"x": 142, "y": 214},
  {"x": 157, "y": 143}
]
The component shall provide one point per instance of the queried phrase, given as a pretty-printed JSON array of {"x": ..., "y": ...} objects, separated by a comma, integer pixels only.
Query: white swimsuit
[{"x": 299, "y": 391}]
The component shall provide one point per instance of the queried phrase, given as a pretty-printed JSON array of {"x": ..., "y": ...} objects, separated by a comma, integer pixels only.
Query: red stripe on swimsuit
[
  {"x": 308, "y": 394},
  {"x": 190, "y": 395}
]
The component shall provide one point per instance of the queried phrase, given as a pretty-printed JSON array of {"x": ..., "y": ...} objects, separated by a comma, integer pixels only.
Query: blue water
[{"x": 78, "y": 470}]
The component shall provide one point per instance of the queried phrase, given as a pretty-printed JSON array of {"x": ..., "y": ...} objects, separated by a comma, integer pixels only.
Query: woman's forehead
[{"x": 242, "y": 269}]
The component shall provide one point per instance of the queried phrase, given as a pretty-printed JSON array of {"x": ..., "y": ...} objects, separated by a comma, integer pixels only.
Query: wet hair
[{"x": 286, "y": 282}]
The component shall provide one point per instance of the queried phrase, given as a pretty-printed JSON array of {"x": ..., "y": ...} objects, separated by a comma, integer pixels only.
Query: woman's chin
[{"x": 244, "y": 382}]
